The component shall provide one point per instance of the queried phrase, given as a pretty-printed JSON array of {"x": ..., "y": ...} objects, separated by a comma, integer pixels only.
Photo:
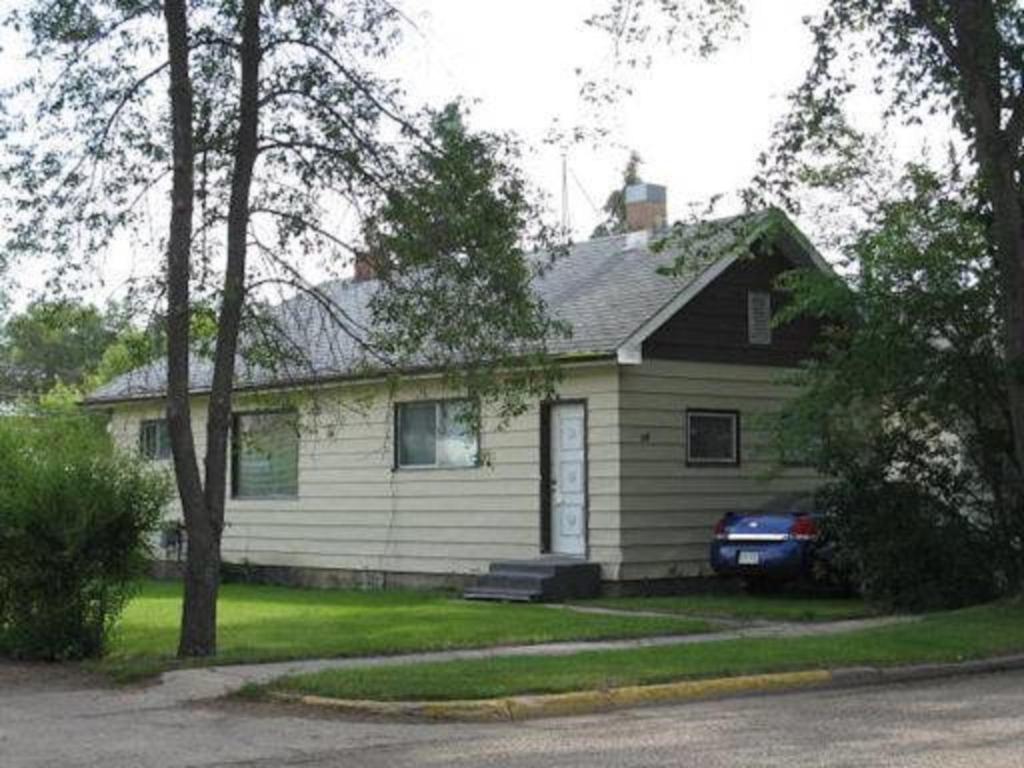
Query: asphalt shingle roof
[{"x": 605, "y": 289}]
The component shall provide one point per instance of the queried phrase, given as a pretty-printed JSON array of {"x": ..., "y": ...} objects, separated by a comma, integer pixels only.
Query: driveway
[{"x": 55, "y": 718}]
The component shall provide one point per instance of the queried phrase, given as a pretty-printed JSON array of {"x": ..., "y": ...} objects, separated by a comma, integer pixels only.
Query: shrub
[
  {"x": 905, "y": 403},
  {"x": 76, "y": 518},
  {"x": 906, "y": 547}
]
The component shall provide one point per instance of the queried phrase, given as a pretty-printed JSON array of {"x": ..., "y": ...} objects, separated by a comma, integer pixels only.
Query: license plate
[{"x": 749, "y": 558}]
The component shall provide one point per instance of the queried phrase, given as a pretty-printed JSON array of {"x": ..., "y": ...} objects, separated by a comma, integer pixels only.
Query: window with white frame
[
  {"x": 436, "y": 433},
  {"x": 759, "y": 317},
  {"x": 713, "y": 437},
  {"x": 265, "y": 455},
  {"x": 154, "y": 440}
]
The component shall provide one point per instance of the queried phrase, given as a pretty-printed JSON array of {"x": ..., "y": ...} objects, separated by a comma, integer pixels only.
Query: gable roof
[{"x": 609, "y": 290}]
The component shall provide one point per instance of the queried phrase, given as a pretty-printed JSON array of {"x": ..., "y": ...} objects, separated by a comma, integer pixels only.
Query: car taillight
[
  {"x": 804, "y": 529},
  {"x": 720, "y": 529}
]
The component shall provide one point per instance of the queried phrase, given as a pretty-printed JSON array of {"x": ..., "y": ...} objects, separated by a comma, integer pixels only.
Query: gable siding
[
  {"x": 713, "y": 326},
  {"x": 355, "y": 512},
  {"x": 668, "y": 509}
]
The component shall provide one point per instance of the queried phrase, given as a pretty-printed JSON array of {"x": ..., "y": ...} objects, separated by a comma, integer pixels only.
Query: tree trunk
[
  {"x": 199, "y": 627},
  {"x": 197, "y": 637},
  {"x": 977, "y": 58},
  {"x": 1008, "y": 231}
]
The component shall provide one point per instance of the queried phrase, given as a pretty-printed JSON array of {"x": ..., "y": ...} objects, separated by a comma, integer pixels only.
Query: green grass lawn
[
  {"x": 746, "y": 607},
  {"x": 257, "y": 623},
  {"x": 970, "y": 633}
]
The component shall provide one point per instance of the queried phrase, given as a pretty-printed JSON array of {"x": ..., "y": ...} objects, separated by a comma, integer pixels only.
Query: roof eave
[
  {"x": 630, "y": 354},
  {"x": 567, "y": 358},
  {"x": 793, "y": 242}
]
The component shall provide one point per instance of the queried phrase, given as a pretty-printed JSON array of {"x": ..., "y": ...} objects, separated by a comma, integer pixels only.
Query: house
[{"x": 658, "y": 428}]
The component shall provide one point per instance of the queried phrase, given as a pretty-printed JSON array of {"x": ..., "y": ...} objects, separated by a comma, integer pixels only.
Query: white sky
[{"x": 698, "y": 125}]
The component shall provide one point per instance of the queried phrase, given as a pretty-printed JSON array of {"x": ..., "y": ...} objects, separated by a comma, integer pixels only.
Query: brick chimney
[{"x": 645, "y": 207}]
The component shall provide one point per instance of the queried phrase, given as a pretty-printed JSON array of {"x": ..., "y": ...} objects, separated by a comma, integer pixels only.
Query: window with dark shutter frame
[{"x": 712, "y": 437}]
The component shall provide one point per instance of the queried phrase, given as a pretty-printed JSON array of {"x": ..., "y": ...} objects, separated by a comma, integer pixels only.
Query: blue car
[{"x": 777, "y": 544}]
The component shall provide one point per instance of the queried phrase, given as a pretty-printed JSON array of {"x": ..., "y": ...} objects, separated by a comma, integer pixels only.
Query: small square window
[
  {"x": 436, "y": 434},
  {"x": 154, "y": 440},
  {"x": 759, "y": 317},
  {"x": 265, "y": 455},
  {"x": 713, "y": 437}
]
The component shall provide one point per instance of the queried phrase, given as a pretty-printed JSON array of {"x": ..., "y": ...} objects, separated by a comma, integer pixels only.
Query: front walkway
[{"x": 191, "y": 685}]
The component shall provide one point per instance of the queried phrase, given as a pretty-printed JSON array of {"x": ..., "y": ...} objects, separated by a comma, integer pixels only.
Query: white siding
[
  {"x": 354, "y": 511},
  {"x": 668, "y": 509}
]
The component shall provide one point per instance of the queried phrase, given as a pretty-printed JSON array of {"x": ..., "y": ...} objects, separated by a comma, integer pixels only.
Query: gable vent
[{"x": 759, "y": 317}]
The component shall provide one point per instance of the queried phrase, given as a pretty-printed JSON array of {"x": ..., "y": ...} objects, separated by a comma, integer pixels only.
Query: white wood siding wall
[
  {"x": 353, "y": 511},
  {"x": 668, "y": 509}
]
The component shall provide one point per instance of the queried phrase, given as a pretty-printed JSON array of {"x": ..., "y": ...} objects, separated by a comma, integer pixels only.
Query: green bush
[
  {"x": 904, "y": 545},
  {"x": 905, "y": 402},
  {"x": 76, "y": 518}
]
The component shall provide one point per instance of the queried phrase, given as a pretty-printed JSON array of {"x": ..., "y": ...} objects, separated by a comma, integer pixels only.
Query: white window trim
[
  {"x": 398, "y": 465},
  {"x": 734, "y": 417}
]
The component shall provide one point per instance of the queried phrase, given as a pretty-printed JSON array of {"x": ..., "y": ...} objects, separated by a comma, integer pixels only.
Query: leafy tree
[
  {"x": 638, "y": 27},
  {"x": 275, "y": 127},
  {"x": 907, "y": 399},
  {"x": 962, "y": 57},
  {"x": 133, "y": 348},
  {"x": 615, "y": 206},
  {"x": 53, "y": 341},
  {"x": 82, "y": 359},
  {"x": 56, "y": 351},
  {"x": 440, "y": 253}
]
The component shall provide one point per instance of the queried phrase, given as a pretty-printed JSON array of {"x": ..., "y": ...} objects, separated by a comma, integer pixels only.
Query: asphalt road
[{"x": 52, "y": 719}]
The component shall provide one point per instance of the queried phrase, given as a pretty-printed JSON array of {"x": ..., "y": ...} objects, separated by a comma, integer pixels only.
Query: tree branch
[
  {"x": 305, "y": 223},
  {"x": 325, "y": 149},
  {"x": 335, "y": 312},
  {"x": 351, "y": 76},
  {"x": 101, "y": 135},
  {"x": 77, "y": 54}
]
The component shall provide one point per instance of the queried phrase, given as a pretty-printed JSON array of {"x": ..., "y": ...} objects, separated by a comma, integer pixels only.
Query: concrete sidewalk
[{"x": 202, "y": 683}]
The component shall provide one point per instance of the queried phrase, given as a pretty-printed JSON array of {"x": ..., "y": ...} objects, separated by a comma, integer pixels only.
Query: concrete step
[
  {"x": 504, "y": 594},
  {"x": 547, "y": 578},
  {"x": 526, "y": 573},
  {"x": 512, "y": 580},
  {"x": 548, "y": 565}
]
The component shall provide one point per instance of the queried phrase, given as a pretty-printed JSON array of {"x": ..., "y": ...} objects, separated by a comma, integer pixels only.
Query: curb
[
  {"x": 851, "y": 677},
  {"x": 513, "y": 708},
  {"x": 562, "y": 704}
]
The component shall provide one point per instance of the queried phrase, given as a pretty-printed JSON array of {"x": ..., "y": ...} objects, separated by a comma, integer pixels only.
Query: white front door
[{"x": 569, "y": 479}]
